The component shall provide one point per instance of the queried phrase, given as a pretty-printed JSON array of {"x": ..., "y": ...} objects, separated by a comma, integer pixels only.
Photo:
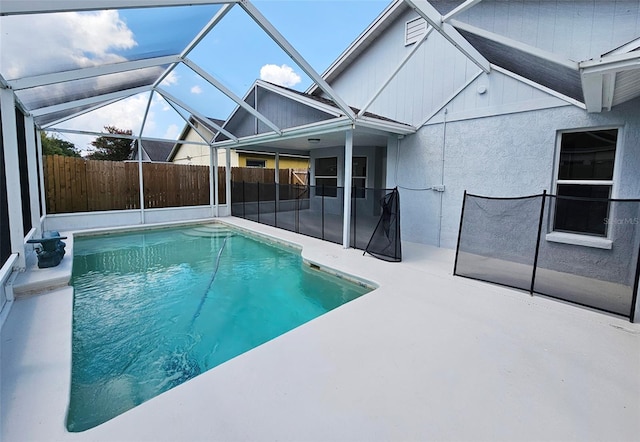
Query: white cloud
[
  {"x": 170, "y": 79},
  {"x": 282, "y": 75},
  {"x": 172, "y": 132},
  {"x": 36, "y": 44},
  {"x": 196, "y": 89},
  {"x": 125, "y": 114}
]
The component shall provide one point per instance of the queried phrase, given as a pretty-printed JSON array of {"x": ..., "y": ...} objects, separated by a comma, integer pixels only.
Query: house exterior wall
[
  {"x": 502, "y": 155},
  {"x": 281, "y": 111},
  {"x": 500, "y": 132},
  {"x": 194, "y": 153},
  {"x": 432, "y": 75},
  {"x": 270, "y": 161},
  {"x": 587, "y": 29}
]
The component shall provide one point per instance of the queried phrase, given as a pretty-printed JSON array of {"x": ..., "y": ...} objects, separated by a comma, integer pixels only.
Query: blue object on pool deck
[{"x": 52, "y": 248}]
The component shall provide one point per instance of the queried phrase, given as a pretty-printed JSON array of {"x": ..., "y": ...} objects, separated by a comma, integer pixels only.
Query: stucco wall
[{"x": 507, "y": 155}]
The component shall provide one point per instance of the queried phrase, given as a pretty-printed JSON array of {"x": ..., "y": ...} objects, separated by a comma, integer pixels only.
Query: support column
[
  {"x": 32, "y": 168},
  {"x": 228, "y": 180},
  {"x": 216, "y": 191},
  {"x": 348, "y": 170},
  {"x": 12, "y": 175},
  {"x": 43, "y": 208},
  {"x": 140, "y": 180}
]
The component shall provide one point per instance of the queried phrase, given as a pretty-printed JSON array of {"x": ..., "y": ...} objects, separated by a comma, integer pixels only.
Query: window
[
  {"x": 256, "y": 163},
  {"x": 359, "y": 177},
  {"x": 585, "y": 170},
  {"x": 414, "y": 30},
  {"x": 327, "y": 176}
]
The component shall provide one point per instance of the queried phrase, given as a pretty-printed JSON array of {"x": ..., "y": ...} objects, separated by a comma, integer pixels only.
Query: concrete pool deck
[{"x": 426, "y": 356}]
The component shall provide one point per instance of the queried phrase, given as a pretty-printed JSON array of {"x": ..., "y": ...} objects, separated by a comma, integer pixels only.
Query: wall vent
[{"x": 414, "y": 30}]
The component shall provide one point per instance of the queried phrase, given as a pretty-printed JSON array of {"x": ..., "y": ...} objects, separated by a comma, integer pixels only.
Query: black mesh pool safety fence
[
  {"x": 316, "y": 211},
  {"x": 385, "y": 241},
  {"x": 525, "y": 243}
]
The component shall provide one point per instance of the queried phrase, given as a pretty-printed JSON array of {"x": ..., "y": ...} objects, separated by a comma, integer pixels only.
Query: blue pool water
[{"x": 156, "y": 308}]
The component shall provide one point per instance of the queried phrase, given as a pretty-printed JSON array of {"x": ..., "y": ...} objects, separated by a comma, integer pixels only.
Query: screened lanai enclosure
[{"x": 151, "y": 71}]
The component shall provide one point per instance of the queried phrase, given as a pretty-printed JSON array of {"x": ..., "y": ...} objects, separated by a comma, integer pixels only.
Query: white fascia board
[
  {"x": 431, "y": 15},
  {"x": 289, "y": 153},
  {"x": 516, "y": 45},
  {"x": 371, "y": 32},
  {"x": 88, "y": 101},
  {"x": 319, "y": 128},
  {"x": 279, "y": 39},
  {"x": 612, "y": 63},
  {"x": 385, "y": 126},
  {"x": 608, "y": 90},
  {"x": 131, "y": 137},
  {"x": 78, "y": 74},
  {"x": 15, "y": 7},
  {"x": 225, "y": 90},
  {"x": 300, "y": 98},
  {"x": 625, "y": 48},
  {"x": 188, "y": 108},
  {"x": 460, "y": 9},
  {"x": 283, "y": 152},
  {"x": 592, "y": 91}
]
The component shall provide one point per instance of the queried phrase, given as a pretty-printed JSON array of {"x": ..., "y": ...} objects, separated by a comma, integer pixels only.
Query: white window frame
[
  {"x": 584, "y": 239},
  {"x": 315, "y": 177},
  {"x": 366, "y": 173},
  {"x": 264, "y": 162}
]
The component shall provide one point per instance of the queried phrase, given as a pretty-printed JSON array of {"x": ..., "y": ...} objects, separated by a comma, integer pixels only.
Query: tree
[
  {"x": 109, "y": 148},
  {"x": 52, "y": 145}
]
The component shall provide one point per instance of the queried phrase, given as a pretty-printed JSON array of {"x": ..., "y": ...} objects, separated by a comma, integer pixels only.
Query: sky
[{"x": 236, "y": 52}]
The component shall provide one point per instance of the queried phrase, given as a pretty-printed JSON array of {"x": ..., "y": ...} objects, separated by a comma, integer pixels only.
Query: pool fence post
[
  {"x": 455, "y": 262},
  {"x": 535, "y": 258},
  {"x": 258, "y": 198},
  {"x": 354, "y": 217},
  {"x": 322, "y": 208},
  {"x": 244, "y": 213},
  {"x": 296, "y": 226},
  {"x": 276, "y": 191},
  {"x": 634, "y": 297}
]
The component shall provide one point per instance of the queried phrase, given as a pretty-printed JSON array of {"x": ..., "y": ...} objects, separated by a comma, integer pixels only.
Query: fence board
[{"x": 79, "y": 185}]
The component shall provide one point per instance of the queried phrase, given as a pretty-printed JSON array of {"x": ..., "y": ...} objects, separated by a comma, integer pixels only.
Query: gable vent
[{"x": 414, "y": 30}]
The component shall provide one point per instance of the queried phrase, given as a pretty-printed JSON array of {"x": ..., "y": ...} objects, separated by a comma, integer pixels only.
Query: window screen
[
  {"x": 326, "y": 172},
  {"x": 585, "y": 171}
]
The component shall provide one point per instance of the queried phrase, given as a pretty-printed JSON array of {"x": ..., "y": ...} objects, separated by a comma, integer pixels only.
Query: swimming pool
[{"x": 155, "y": 308}]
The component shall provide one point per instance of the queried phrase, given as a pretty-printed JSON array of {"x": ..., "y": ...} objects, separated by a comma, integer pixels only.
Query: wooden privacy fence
[
  {"x": 79, "y": 185},
  {"x": 261, "y": 175},
  {"x": 76, "y": 185}
]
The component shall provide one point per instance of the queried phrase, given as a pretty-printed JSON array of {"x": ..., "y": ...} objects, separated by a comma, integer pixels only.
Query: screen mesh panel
[
  {"x": 498, "y": 240},
  {"x": 498, "y": 243},
  {"x": 384, "y": 242},
  {"x": 316, "y": 211},
  {"x": 590, "y": 276}
]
